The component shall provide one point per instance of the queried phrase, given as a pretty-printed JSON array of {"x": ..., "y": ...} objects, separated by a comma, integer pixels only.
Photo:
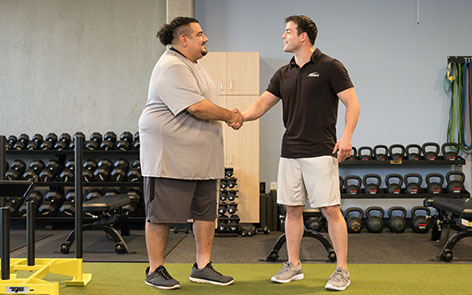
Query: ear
[
  {"x": 183, "y": 40},
  {"x": 304, "y": 36}
]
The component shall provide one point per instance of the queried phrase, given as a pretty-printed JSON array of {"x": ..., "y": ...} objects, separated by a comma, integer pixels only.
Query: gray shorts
[{"x": 175, "y": 200}]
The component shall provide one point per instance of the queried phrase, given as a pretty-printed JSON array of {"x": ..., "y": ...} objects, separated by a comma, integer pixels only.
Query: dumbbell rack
[
  {"x": 62, "y": 156},
  {"x": 228, "y": 225},
  {"x": 34, "y": 284}
]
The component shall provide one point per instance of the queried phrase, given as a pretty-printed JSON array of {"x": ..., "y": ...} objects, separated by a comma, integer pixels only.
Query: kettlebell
[
  {"x": 454, "y": 185},
  {"x": 434, "y": 187},
  {"x": 431, "y": 154},
  {"x": 355, "y": 188},
  {"x": 450, "y": 150},
  {"x": 413, "y": 187},
  {"x": 354, "y": 224},
  {"x": 341, "y": 183},
  {"x": 381, "y": 152},
  {"x": 365, "y": 153},
  {"x": 375, "y": 224},
  {"x": 398, "y": 155},
  {"x": 313, "y": 223},
  {"x": 373, "y": 187},
  {"x": 353, "y": 155},
  {"x": 397, "y": 224},
  {"x": 413, "y": 152},
  {"x": 420, "y": 224},
  {"x": 394, "y": 188}
]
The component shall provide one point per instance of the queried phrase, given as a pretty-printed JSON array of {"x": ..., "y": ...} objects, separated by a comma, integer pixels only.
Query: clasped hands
[{"x": 236, "y": 120}]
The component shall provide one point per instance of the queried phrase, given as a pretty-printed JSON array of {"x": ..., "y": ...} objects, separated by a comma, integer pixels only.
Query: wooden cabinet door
[
  {"x": 242, "y": 154},
  {"x": 242, "y": 73},
  {"x": 215, "y": 64}
]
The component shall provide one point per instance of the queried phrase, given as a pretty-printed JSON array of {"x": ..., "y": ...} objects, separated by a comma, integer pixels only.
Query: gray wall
[
  {"x": 68, "y": 66},
  {"x": 397, "y": 65}
]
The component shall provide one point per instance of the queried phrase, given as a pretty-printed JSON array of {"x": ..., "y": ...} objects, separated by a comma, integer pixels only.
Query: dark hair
[
  {"x": 169, "y": 32},
  {"x": 304, "y": 25}
]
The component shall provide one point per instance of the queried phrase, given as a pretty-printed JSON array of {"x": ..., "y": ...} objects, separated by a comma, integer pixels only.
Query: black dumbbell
[
  {"x": 223, "y": 196},
  {"x": 136, "y": 142},
  {"x": 435, "y": 187},
  {"x": 372, "y": 187},
  {"x": 17, "y": 168},
  {"x": 96, "y": 137},
  {"x": 52, "y": 137},
  {"x": 22, "y": 142},
  {"x": 375, "y": 224},
  {"x": 136, "y": 164},
  {"x": 455, "y": 185},
  {"x": 35, "y": 142},
  {"x": 88, "y": 176},
  {"x": 232, "y": 182},
  {"x": 31, "y": 175},
  {"x": 232, "y": 208},
  {"x": 394, "y": 187},
  {"x": 125, "y": 142},
  {"x": 102, "y": 173},
  {"x": 233, "y": 227},
  {"x": 413, "y": 152},
  {"x": 67, "y": 175},
  {"x": 91, "y": 145},
  {"x": 354, "y": 223},
  {"x": 413, "y": 187},
  {"x": 109, "y": 140},
  {"x": 352, "y": 189},
  {"x": 90, "y": 165},
  {"x": 397, "y": 224},
  {"x": 381, "y": 152},
  {"x": 66, "y": 140},
  {"x": 69, "y": 165},
  {"x": 36, "y": 197},
  {"x": 450, "y": 151},
  {"x": 51, "y": 204},
  {"x": 134, "y": 175},
  {"x": 68, "y": 207},
  {"x": 52, "y": 169},
  {"x": 93, "y": 194},
  {"x": 120, "y": 170},
  {"x": 365, "y": 153},
  {"x": 229, "y": 172},
  {"x": 222, "y": 208},
  {"x": 420, "y": 224},
  {"x": 232, "y": 195},
  {"x": 428, "y": 153},
  {"x": 130, "y": 209},
  {"x": 37, "y": 166},
  {"x": 396, "y": 152},
  {"x": 223, "y": 222},
  {"x": 223, "y": 183},
  {"x": 12, "y": 139},
  {"x": 13, "y": 205}
]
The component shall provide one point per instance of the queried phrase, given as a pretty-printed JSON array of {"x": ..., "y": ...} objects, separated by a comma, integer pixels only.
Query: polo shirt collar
[{"x": 314, "y": 57}]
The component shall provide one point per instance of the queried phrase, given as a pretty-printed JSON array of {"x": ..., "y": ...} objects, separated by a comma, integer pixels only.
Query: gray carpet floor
[{"x": 364, "y": 247}]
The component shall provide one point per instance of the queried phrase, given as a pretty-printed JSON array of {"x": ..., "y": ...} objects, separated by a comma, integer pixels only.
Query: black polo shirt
[{"x": 310, "y": 104}]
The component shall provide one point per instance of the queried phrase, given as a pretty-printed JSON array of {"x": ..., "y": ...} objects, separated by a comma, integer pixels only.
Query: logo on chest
[{"x": 313, "y": 75}]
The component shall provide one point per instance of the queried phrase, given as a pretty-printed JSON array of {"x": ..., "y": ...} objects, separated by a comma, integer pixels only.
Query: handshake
[{"x": 236, "y": 120}]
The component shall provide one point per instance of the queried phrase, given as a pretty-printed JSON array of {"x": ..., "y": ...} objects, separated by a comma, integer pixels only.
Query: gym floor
[{"x": 364, "y": 248}]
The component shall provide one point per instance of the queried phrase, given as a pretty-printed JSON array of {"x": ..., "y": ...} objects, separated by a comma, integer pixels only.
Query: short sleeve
[
  {"x": 274, "y": 84},
  {"x": 339, "y": 77},
  {"x": 178, "y": 88}
]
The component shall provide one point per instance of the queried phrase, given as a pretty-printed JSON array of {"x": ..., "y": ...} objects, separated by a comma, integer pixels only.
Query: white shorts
[{"x": 314, "y": 178}]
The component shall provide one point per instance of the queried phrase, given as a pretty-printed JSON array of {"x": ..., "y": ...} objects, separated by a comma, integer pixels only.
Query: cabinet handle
[
  {"x": 230, "y": 84},
  {"x": 231, "y": 159},
  {"x": 221, "y": 84}
]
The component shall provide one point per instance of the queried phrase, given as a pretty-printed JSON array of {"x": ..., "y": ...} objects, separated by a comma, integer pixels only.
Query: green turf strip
[{"x": 128, "y": 278}]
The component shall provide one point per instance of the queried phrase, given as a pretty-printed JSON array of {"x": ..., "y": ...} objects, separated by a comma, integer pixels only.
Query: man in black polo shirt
[{"x": 310, "y": 87}]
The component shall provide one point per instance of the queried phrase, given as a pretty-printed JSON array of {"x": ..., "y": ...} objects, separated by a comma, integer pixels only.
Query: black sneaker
[
  {"x": 161, "y": 279},
  {"x": 209, "y": 275}
]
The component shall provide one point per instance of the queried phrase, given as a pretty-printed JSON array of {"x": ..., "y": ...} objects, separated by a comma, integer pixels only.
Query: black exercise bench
[
  {"x": 106, "y": 212},
  {"x": 456, "y": 213}
]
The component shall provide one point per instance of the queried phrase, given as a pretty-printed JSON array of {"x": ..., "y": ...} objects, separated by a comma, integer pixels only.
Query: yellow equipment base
[{"x": 34, "y": 284}]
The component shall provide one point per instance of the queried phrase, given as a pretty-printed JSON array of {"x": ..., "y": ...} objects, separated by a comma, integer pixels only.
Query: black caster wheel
[
  {"x": 266, "y": 230},
  {"x": 273, "y": 256},
  {"x": 65, "y": 248},
  {"x": 332, "y": 256},
  {"x": 120, "y": 249},
  {"x": 447, "y": 256}
]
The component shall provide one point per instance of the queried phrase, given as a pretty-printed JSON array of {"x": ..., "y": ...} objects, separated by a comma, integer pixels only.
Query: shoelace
[
  {"x": 338, "y": 275},
  {"x": 163, "y": 272},
  {"x": 214, "y": 270}
]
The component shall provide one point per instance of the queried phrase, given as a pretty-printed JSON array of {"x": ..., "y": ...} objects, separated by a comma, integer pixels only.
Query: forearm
[
  {"x": 352, "y": 115},
  {"x": 253, "y": 112},
  {"x": 206, "y": 110}
]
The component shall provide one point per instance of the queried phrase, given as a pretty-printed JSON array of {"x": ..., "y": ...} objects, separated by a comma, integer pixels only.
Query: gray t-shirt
[{"x": 175, "y": 144}]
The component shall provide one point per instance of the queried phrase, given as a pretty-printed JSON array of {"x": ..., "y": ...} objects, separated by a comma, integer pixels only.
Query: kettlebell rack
[
  {"x": 228, "y": 220},
  {"x": 396, "y": 156}
]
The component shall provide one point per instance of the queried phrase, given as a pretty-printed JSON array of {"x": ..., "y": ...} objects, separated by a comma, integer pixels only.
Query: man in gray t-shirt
[{"x": 182, "y": 151}]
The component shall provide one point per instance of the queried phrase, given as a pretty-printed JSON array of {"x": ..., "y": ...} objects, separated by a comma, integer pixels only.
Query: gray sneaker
[
  {"x": 338, "y": 281},
  {"x": 288, "y": 273},
  {"x": 161, "y": 279},
  {"x": 209, "y": 275}
]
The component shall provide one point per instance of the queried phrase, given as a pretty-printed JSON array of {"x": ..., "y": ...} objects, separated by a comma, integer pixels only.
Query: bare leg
[
  {"x": 337, "y": 230},
  {"x": 204, "y": 232},
  {"x": 294, "y": 232},
  {"x": 156, "y": 240}
]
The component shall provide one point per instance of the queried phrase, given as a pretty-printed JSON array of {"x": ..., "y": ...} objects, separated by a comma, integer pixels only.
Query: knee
[
  {"x": 331, "y": 213},
  {"x": 294, "y": 211}
]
